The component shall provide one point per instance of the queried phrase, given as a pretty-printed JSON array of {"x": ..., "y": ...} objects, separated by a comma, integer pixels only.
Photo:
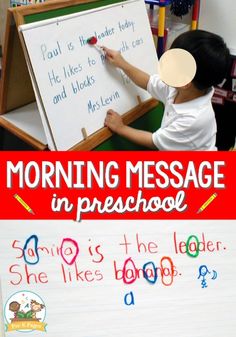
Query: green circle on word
[{"x": 187, "y": 245}]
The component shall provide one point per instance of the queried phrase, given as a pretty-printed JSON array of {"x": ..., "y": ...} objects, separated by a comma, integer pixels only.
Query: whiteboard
[
  {"x": 75, "y": 83},
  {"x": 219, "y": 17},
  {"x": 87, "y": 296}
]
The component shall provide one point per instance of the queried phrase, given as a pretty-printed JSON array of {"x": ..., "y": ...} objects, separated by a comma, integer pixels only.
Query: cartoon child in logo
[
  {"x": 25, "y": 311},
  {"x": 34, "y": 305},
  {"x": 15, "y": 307}
]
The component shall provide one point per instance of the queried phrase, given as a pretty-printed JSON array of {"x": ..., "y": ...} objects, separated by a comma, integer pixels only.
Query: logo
[{"x": 25, "y": 311}]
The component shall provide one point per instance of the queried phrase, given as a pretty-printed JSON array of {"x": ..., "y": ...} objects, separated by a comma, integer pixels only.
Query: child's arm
[
  {"x": 138, "y": 76},
  {"x": 114, "y": 122}
]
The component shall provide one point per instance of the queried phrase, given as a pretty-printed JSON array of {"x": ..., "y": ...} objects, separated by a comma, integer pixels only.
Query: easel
[
  {"x": 16, "y": 87},
  {"x": 13, "y": 94}
]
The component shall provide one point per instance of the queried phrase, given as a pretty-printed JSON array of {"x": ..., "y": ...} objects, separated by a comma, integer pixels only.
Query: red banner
[{"x": 117, "y": 185}]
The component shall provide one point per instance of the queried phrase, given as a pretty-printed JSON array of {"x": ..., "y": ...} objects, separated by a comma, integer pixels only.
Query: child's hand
[
  {"x": 113, "y": 121},
  {"x": 114, "y": 57}
]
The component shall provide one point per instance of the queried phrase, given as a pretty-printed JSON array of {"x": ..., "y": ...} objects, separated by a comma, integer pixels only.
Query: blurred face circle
[{"x": 177, "y": 67}]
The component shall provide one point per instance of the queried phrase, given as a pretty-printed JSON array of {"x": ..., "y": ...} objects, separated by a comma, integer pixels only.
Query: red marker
[{"x": 92, "y": 41}]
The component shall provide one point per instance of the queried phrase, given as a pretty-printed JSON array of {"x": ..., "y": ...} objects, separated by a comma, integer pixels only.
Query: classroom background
[{"x": 168, "y": 19}]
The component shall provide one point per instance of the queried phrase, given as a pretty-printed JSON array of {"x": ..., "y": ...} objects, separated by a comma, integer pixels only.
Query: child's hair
[{"x": 211, "y": 54}]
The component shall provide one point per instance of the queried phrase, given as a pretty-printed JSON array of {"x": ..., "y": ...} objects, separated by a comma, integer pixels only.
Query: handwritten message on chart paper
[
  {"x": 119, "y": 278},
  {"x": 76, "y": 83}
]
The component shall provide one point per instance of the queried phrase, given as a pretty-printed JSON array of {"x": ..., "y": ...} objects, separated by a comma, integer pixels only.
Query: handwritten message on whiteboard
[
  {"x": 74, "y": 81},
  {"x": 118, "y": 278}
]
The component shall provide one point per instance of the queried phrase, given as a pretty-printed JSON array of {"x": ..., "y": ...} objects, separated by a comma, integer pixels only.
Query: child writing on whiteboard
[{"x": 189, "y": 121}]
